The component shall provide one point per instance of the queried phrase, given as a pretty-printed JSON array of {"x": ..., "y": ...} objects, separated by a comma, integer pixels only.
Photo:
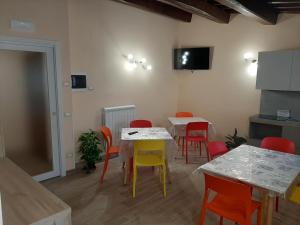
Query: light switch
[
  {"x": 67, "y": 114},
  {"x": 66, "y": 84},
  {"x": 69, "y": 155}
]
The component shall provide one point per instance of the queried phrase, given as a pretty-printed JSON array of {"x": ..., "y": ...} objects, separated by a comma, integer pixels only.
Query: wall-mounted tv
[{"x": 192, "y": 58}]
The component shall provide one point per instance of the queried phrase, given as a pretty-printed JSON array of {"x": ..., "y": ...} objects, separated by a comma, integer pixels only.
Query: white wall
[{"x": 100, "y": 33}]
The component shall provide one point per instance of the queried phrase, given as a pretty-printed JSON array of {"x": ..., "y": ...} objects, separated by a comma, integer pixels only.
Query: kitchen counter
[
  {"x": 258, "y": 119},
  {"x": 268, "y": 126},
  {"x": 26, "y": 202}
]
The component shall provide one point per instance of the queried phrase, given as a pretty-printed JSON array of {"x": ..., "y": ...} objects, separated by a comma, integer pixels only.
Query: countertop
[
  {"x": 258, "y": 119},
  {"x": 26, "y": 202}
]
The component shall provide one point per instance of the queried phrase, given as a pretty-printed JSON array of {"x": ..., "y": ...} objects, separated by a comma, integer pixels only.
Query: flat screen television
[{"x": 192, "y": 58}]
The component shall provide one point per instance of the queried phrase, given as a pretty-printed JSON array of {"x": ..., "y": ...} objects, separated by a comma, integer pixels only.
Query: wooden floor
[
  {"x": 112, "y": 203},
  {"x": 30, "y": 162}
]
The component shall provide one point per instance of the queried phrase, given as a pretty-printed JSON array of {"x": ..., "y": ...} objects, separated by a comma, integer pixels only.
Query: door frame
[{"x": 35, "y": 45}]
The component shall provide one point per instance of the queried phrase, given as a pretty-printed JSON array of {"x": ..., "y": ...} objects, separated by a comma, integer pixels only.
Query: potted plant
[
  {"x": 233, "y": 141},
  {"x": 89, "y": 149}
]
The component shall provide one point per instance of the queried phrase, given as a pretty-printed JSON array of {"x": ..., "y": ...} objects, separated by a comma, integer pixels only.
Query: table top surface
[
  {"x": 153, "y": 133},
  {"x": 185, "y": 120},
  {"x": 25, "y": 201},
  {"x": 271, "y": 170}
]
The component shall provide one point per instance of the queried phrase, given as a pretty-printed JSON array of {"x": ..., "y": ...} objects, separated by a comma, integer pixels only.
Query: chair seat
[
  {"x": 113, "y": 150},
  {"x": 215, "y": 151},
  {"x": 295, "y": 197},
  {"x": 196, "y": 138},
  {"x": 230, "y": 209},
  {"x": 150, "y": 160}
]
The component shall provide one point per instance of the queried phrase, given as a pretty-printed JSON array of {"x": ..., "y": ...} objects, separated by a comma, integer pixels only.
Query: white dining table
[
  {"x": 153, "y": 133},
  {"x": 273, "y": 172},
  {"x": 178, "y": 125}
]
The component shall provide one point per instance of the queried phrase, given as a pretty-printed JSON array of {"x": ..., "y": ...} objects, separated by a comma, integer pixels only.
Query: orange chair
[
  {"x": 110, "y": 150},
  {"x": 184, "y": 114},
  {"x": 216, "y": 148},
  {"x": 232, "y": 201},
  {"x": 281, "y": 145},
  {"x": 140, "y": 123},
  {"x": 180, "y": 115},
  {"x": 194, "y": 127}
]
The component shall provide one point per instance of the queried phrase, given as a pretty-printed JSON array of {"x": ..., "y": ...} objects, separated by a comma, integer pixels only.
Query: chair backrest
[
  {"x": 107, "y": 136},
  {"x": 150, "y": 152},
  {"x": 278, "y": 144},
  {"x": 231, "y": 189},
  {"x": 184, "y": 114},
  {"x": 197, "y": 126},
  {"x": 216, "y": 148},
  {"x": 140, "y": 123}
]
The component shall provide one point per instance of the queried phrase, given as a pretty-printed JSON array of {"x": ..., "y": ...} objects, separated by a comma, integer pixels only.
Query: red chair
[
  {"x": 232, "y": 201},
  {"x": 281, "y": 145},
  {"x": 110, "y": 150},
  {"x": 182, "y": 115},
  {"x": 278, "y": 144},
  {"x": 216, "y": 148},
  {"x": 192, "y": 135},
  {"x": 140, "y": 123}
]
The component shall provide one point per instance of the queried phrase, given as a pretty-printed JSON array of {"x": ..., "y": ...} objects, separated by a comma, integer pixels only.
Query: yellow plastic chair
[
  {"x": 149, "y": 153},
  {"x": 295, "y": 196}
]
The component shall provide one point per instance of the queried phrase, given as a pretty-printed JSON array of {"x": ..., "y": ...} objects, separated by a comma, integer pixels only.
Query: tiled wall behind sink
[{"x": 271, "y": 101}]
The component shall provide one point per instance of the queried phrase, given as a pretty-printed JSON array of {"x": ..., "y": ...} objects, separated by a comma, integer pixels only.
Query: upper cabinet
[
  {"x": 274, "y": 70},
  {"x": 295, "y": 76}
]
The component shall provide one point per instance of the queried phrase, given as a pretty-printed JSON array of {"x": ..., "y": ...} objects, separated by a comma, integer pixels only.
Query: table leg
[
  {"x": 270, "y": 204},
  {"x": 168, "y": 171},
  {"x": 126, "y": 171},
  {"x": 264, "y": 199}
]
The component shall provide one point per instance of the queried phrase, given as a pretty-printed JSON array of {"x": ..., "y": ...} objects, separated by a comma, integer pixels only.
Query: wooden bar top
[{"x": 26, "y": 202}]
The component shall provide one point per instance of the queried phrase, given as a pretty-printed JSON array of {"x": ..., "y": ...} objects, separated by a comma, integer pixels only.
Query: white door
[{"x": 52, "y": 111}]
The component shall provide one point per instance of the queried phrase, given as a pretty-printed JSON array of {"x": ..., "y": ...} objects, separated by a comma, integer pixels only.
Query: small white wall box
[
  {"x": 79, "y": 81},
  {"x": 19, "y": 25}
]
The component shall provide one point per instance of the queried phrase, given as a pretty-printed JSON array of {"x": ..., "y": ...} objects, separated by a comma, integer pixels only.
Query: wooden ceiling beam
[
  {"x": 257, "y": 9},
  {"x": 201, "y": 8},
  {"x": 160, "y": 8},
  {"x": 283, "y": 2}
]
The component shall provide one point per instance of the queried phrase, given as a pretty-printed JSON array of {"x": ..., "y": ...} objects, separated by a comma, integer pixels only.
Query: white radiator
[{"x": 117, "y": 118}]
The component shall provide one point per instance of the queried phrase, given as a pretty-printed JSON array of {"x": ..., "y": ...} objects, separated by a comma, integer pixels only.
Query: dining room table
[
  {"x": 130, "y": 135},
  {"x": 273, "y": 173},
  {"x": 178, "y": 125}
]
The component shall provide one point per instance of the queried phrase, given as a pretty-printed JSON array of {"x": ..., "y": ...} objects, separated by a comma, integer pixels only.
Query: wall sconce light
[
  {"x": 252, "y": 61},
  {"x": 132, "y": 63}
]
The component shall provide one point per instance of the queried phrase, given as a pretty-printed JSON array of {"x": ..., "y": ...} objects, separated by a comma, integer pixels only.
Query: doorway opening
[{"x": 29, "y": 108}]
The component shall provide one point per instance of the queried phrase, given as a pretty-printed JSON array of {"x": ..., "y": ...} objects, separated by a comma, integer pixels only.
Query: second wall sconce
[{"x": 252, "y": 61}]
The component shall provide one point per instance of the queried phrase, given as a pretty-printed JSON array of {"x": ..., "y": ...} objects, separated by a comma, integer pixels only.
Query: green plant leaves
[
  {"x": 233, "y": 141},
  {"x": 89, "y": 148}
]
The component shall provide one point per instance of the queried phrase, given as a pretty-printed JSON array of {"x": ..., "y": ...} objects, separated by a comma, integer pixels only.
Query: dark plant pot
[{"x": 89, "y": 166}]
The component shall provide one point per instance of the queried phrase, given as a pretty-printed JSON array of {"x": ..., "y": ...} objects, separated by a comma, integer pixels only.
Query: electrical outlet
[{"x": 69, "y": 155}]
